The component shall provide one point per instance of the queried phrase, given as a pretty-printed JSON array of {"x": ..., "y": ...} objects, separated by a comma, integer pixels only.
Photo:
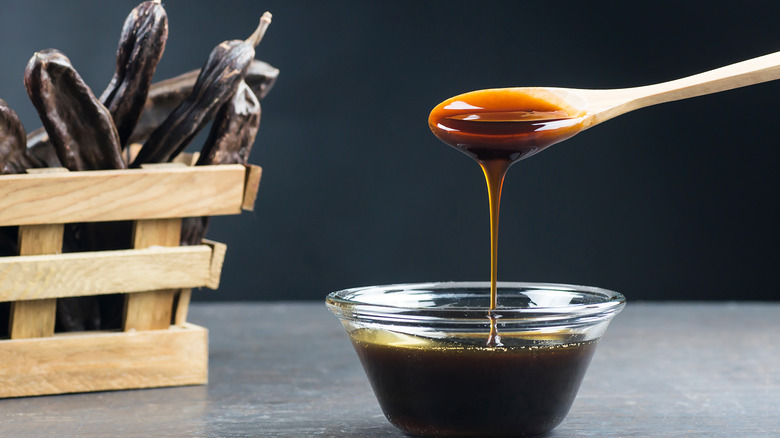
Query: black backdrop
[{"x": 676, "y": 201}]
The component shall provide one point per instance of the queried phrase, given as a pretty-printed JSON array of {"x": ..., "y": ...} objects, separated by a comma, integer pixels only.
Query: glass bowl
[{"x": 436, "y": 370}]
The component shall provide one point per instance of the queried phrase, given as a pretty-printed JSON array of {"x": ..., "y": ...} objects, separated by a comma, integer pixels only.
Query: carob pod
[
  {"x": 78, "y": 125},
  {"x": 14, "y": 156},
  {"x": 233, "y": 131},
  {"x": 40, "y": 147},
  {"x": 163, "y": 97},
  {"x": 141, "y": 46},
  {"x": 261, "y": 77},
  {"x": 166, "y": 95},
  {"x": 84, "y": 137},
  {"x": 217, "y": 82},
  {"x": 229, "y": 142}
]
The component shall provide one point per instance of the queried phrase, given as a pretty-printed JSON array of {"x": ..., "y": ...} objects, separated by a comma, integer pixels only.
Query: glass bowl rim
[{"x": 351, "y": 308}]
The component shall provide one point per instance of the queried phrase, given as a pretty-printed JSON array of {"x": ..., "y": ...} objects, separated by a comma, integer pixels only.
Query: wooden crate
[{"x": 157, "y": 275}]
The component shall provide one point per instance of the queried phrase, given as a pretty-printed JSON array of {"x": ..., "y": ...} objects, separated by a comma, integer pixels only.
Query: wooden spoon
[{"x": 597, "y": 106}]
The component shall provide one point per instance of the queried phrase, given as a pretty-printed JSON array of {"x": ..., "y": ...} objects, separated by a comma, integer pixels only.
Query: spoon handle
[{"x": 753, "y": 71}]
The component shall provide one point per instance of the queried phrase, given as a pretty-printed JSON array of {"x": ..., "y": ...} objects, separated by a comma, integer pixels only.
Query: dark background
[{"x": 676, "y": 201}]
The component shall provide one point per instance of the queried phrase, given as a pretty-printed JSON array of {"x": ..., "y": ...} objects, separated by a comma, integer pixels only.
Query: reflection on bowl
[{"x": 424, "y": 349}]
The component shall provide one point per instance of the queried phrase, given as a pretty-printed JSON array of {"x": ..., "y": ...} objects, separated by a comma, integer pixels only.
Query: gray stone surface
[{"x": 288, "y": 370}]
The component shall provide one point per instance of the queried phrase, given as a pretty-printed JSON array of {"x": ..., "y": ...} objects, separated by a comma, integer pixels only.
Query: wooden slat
[
  {"x": 251, "y": 185},
  {"x": 157, "y": 232},
  {"x": 32, "y": 319},
  {"x": 112, "y": 195},
  {"x": 182, "y": 307},
  {"x": 99, "y": 361},
  {"x": 218, "y": 251},
  {"x": 131, "y": 152},
  {"x": 184, "y": 296},
  {"x": 35, "y": 318},
  {"x": 106, "y": 272},
  {"x": 40, "y": 239},
  {"x": 170, "y": 165},
  {"x": 41, "y": 170},
  {"x": 152, "y": 310},
  {"x": 149, "y": 310},
  {"x": 186, "y": 158}
]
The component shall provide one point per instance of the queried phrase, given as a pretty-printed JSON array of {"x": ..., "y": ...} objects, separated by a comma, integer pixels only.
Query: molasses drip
[{"x": 497, "y": 128}]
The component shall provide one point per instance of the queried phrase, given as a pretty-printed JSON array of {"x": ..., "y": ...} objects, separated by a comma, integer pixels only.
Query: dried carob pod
[
  {"x": 40, "y": 147},
  {"x": 14, "y": 156},
  {"x": 261, "y": 77},
  {"x": 234, "y": 130},
  {"x": 193, "y": 229},
  {"x": 141, "y": 46},
  {"x": 85, "y": 138},
  {"x": 78, "y": 125},
  {"x": 166, "y": 95},
  {"x": 217, "y": 82},
  {"x": 229, "y": 142},
  {"x": 163, "y": 97}
]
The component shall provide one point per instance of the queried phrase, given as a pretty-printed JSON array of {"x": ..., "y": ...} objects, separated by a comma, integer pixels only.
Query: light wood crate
[{"x": 150, "y": 350}]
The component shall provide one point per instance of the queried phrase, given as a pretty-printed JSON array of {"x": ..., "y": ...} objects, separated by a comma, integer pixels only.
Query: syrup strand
[{"x": 495, "y": 171}]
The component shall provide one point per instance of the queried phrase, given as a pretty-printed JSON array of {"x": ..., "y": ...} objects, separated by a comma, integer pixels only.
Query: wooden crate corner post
[
  {"x": 35, "y": 318},
  {"x": 152, "y": 310}
]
